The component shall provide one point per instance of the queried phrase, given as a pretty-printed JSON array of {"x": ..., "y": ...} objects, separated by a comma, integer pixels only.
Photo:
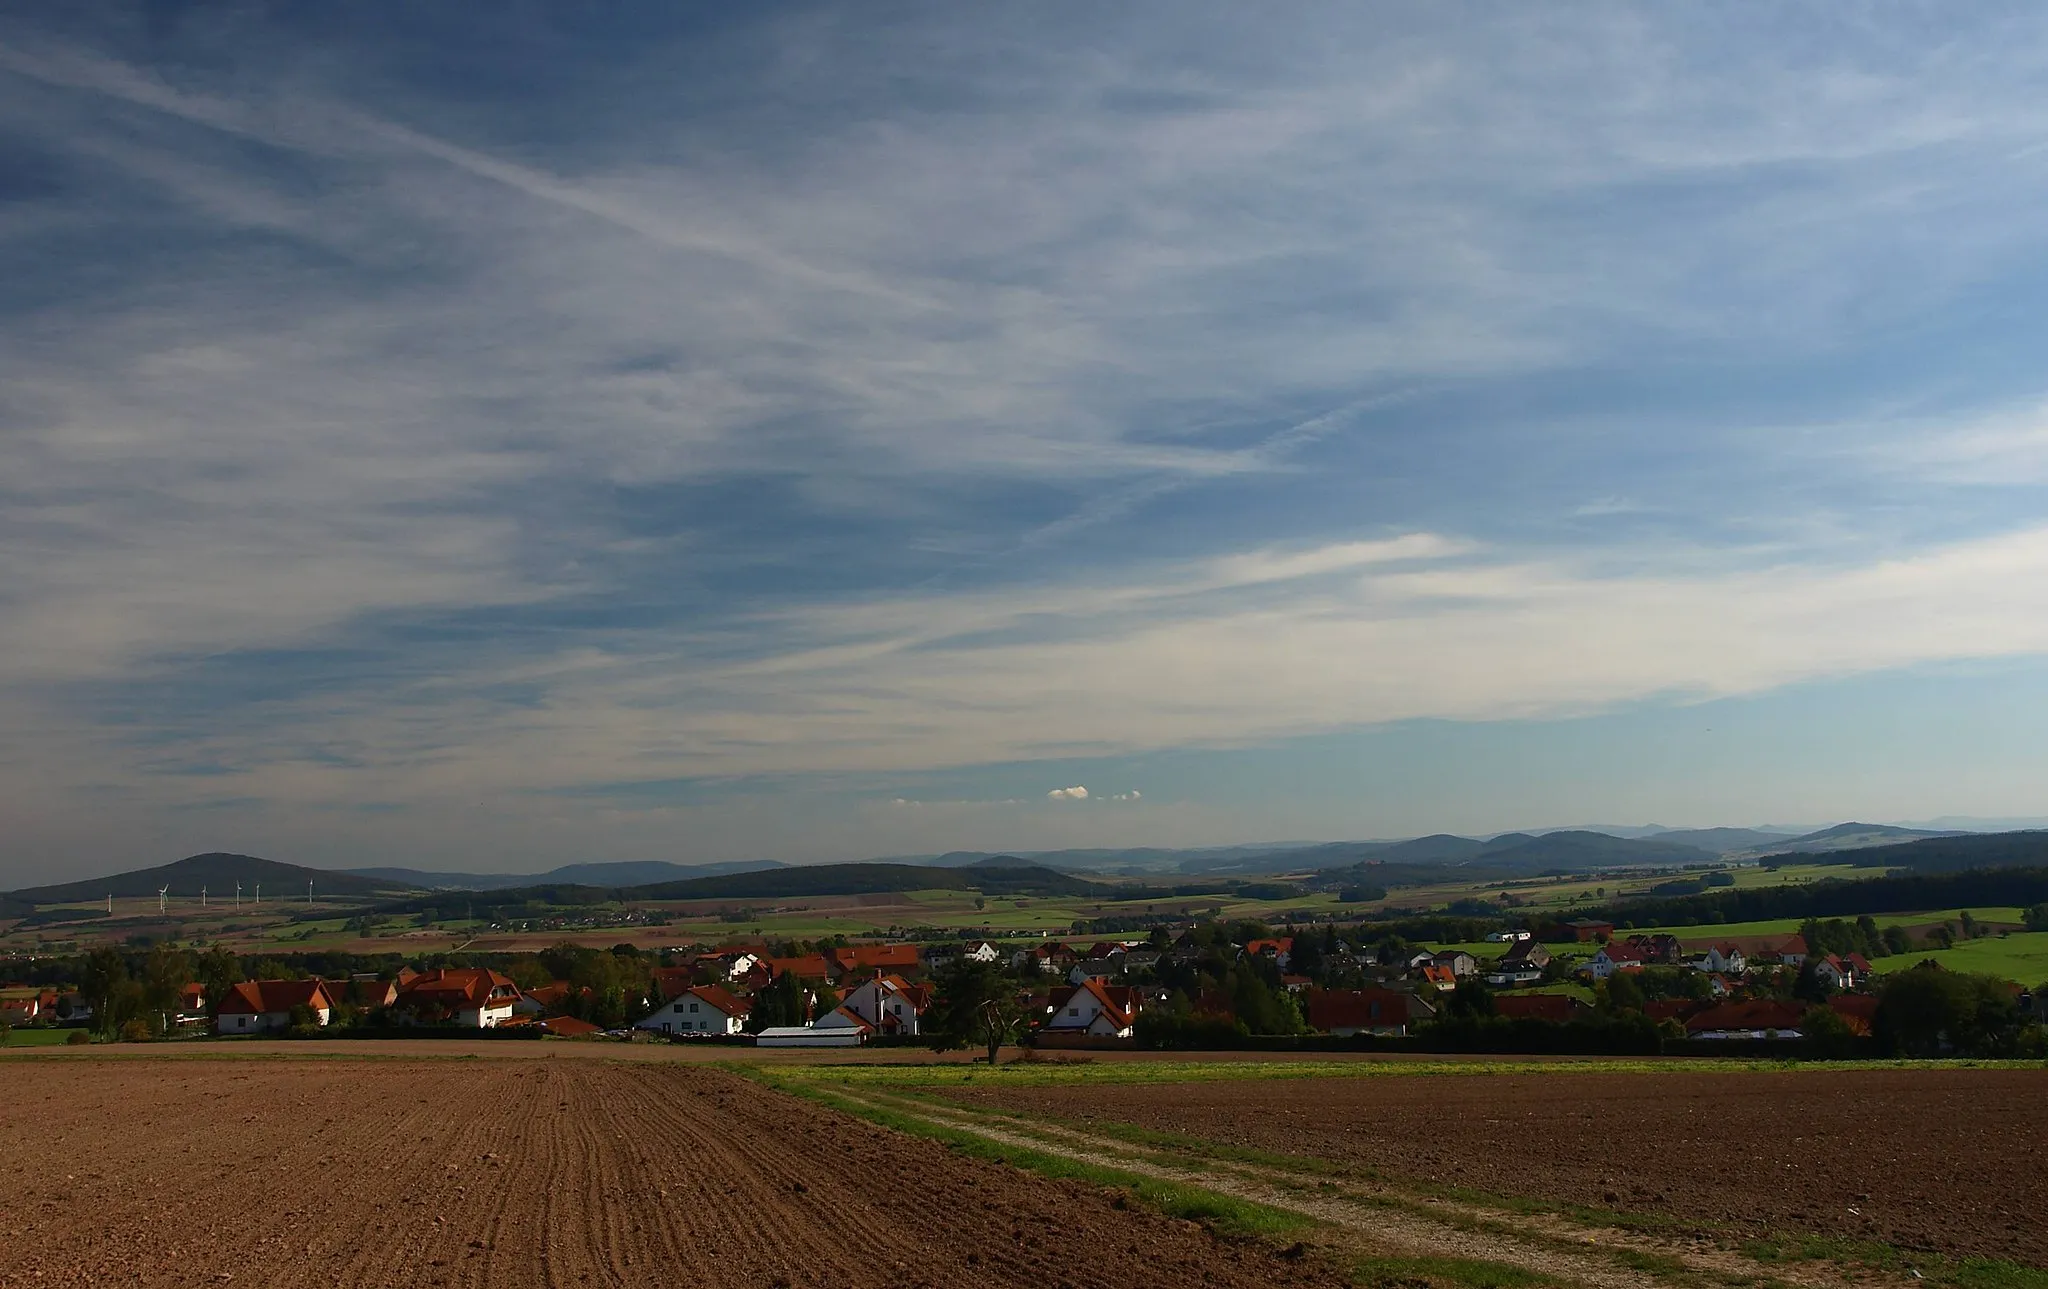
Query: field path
[
  {"x": 535, "y": 1174},
  {"x": 1369, "y": 1218}
]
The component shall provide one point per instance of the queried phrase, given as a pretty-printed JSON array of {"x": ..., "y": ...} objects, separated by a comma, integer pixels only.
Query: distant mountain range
[
  {"x": 622, "y": 873},
  {"x": 1507, "y": 854}
]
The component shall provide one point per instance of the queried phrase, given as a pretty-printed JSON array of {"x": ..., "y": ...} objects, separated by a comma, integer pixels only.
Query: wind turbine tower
[
  {"x": 161, "y": 892},
  {"x": 238, "y": 895}
]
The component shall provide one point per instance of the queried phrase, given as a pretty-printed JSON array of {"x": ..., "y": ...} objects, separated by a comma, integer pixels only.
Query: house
[
  {"x": 1556, "y": 1008},
  {"x": 1091, "y": 1008},
  {"x": 1524, "y": 954},
  {"x": 1833, "y": 972},
  {"x": 1435, "y": 977},
  {"x": 1719, "y": 986},
  {"x": 1095, "y": 969},
  {"x": 699, "y": 1009},
  {"x": 1724, "y": 959},
  {"x": 364, "y": 990},
  {"x": 468, "y": 997},
  {"x": 1460, "y": 962},
  {"x": 1661, "y": 949},
  {"x": 1053, "y": 958},
  {"x": 884, "y": 1004},
  {"x": 1345, "y": 1012},
  {"x": 1502, "y": 978},
  {"x": 1793, "y": 952},
  {"x": 20, "y": 1011},
  {"x": 1758, "y": 1018},
  {"x": 569, "y": 1027},
  {"x": 1613, "y": 958},
  {"x": 192, "y": 1004},
  {"x": 1588, "y": 930},
  {"x": 983, "y": 952},
  {"x": 256, "y": 1006},
  {"x": 1280, "y": 950}
]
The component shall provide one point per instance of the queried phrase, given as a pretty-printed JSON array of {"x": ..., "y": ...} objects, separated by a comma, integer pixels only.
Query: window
[
  {"x": 693, "y": 1009},
  {"x": 1073, "y": 1011}
]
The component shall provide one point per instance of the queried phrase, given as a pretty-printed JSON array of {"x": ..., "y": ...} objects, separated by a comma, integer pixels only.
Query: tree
[
  {"x": 1897, "y": 940},
  {"x": 1306, "y": 958},
  {"x": 1809, "y": 987},
  {"x": 1621, "y": 992},
  {"x": 165, "y": 972},
  {"x": 1968, "y": 921},
  {"x": 2036, "y": 917},
  {"x": 217, "y": 972},
  {"x": 976, "y": 1004},
  {"x": 105, "y": 971},
  {"x": 1925, "y": 1010},
  {"x": 1469, "y": 1001},
  {"x": 781, "y": 1003}
]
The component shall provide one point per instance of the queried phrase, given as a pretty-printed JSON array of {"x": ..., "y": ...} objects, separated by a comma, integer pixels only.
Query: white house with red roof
[
  {"x": 470, "y": 997},
  {"x": 699, "y": 1010},
  {"x": 1615, "y": 957},
  {"x": 1092, "y": 1008},
  {"x": 884, "y": 1004},
  {"x": 258, "y": 1006}
]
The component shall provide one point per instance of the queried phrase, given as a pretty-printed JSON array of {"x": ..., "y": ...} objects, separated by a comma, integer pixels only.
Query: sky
[{"x": 490, "y": 437}]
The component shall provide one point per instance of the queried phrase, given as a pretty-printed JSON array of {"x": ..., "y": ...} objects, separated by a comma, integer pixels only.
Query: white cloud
[
  {"x": 1132, "y": 795},
  {"x": 1076, "y": 793}
]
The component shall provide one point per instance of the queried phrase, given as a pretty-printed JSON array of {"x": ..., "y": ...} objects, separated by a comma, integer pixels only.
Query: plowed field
[
  {"x": 531, "y": 1173},
  {"x": 1949, "y": 1161}
]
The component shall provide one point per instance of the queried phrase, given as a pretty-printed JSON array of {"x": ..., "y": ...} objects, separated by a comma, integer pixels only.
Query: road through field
[{"x": 533, "y": 1173}]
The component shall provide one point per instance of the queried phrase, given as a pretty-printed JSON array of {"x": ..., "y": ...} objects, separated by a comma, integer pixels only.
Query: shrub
[
  {"x": 77, "y": 1038},
  {"x": 137, "y": 1031}
]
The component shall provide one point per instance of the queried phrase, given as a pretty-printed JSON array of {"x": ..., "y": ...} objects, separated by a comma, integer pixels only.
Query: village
[{"x": 1198, "y": 988}]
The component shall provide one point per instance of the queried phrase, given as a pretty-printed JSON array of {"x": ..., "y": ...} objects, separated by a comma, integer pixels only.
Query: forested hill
[
  {"x": 217, "y": 872},
  {"x": 1949, "y": 854},
  {"x": 1901, "y": 893}
]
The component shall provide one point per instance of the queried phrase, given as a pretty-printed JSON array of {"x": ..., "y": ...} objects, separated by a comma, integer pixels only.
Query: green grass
[
  {"x": 1224, "y": 1213},
  {"x": 38, "y": 1037},
  {"x": 2021, "y": 956}
]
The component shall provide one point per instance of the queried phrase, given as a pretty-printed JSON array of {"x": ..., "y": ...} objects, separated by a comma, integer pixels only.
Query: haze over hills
[
  {"x": 217, "y": 872},
  {"x": 620, "y": 873},
  {"x": 1512, "y": 853}
]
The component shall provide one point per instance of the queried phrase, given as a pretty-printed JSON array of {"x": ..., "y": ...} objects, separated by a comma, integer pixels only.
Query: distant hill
[
  {"x": 618, "y": 873},
  {"x": 1956, "y": 853},
  {"x": 1573, "y": 851},
  {"x": 217, "y": 872},
  {"x": 1852, "y": 836},
  {"x": 1437, "y": 848},
  {"x": 1724, "y": 841},
  {"x": 866, "y": 879}
]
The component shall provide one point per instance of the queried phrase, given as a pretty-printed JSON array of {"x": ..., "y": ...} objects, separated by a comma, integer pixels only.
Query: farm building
[
  {"x": 470, "y": 997},
  {"x": 257, "y": 1006}
]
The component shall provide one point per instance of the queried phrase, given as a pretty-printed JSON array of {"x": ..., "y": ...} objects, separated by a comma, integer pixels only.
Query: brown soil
[
  {"x": 1948, "y": 1161},
  {"x": 531, "y": 1173}
]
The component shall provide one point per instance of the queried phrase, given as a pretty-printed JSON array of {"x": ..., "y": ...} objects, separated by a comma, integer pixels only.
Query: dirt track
[
  {"x": 1941, "y": 1160},
  {"x": 531, "y": 1173}
]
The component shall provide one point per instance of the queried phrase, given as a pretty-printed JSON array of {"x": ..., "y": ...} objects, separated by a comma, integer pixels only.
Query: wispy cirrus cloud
[{"x": 1095, "y": 383}]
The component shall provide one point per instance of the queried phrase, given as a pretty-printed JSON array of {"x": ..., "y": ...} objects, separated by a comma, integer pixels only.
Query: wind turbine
[
  {"x": 202, "y": 897},
  {"x": 259, "y": 893},
  {"x": 309, "y": 892},
  {"x": 161, "y": 892},
  {"x": 238, "y": 895}
]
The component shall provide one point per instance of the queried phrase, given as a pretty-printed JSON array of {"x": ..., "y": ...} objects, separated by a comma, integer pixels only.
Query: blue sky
[{"x": 488, "y": 439}]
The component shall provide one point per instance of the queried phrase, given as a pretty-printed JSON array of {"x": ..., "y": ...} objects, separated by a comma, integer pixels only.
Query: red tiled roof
[
  {"x": 889, "y": 957},
  {"x": 1860, "y": 1010},
  {"x": 1284, "y": 944},
  {"x": 721, "y": 998},
  {"x": 1761, "y": 1013},
  {"x": 1117, "y": 1004},
  {"x": 455, "y": 987},
  {"x": 569, "y": 1027},
  {"x": 809, "y": 966},
  {"x": 1551, "y": 1007},
  {"x": 1332, "y": 1009},
  {"x": 259, "y": 997},
  {"x": 1669, "y": 1008}
]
